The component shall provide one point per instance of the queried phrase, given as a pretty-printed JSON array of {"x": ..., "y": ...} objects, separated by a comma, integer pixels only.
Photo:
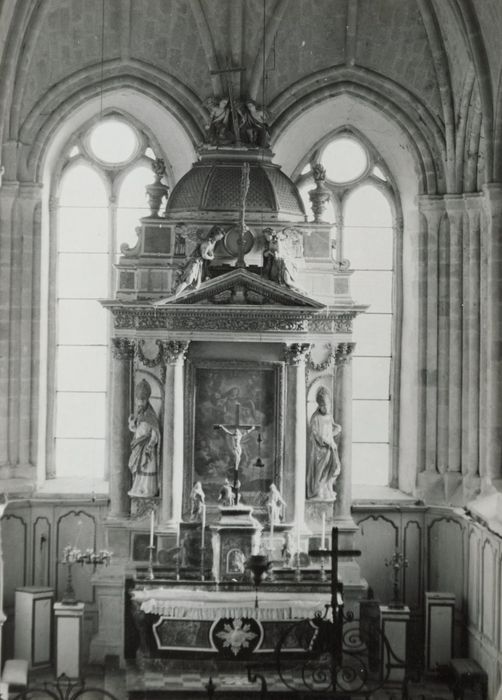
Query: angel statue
[
  {"x": 196, "y": 267},
  {"x": 278, "y": 261}
]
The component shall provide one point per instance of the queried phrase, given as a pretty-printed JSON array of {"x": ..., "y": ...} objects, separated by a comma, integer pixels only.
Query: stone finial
[
  {"x": 156, "y": 191},
  {"x": 320, "y": 196}
]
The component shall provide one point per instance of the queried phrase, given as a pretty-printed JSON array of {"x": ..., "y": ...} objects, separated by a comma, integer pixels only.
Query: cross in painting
[{"x": 237, "y": 432}]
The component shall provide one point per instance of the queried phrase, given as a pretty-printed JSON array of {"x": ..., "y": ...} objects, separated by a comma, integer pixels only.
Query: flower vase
[{"x": 69, "y": 592}]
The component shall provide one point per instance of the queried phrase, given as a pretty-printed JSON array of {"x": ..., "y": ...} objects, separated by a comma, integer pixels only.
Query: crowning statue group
[{"x": 323, "y": 462}]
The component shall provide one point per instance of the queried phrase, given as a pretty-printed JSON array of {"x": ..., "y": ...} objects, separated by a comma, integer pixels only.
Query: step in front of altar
[{"x": 225, "y": 625}]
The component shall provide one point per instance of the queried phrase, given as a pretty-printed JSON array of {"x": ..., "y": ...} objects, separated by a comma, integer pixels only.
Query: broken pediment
[{"x": 241, "y": 287}]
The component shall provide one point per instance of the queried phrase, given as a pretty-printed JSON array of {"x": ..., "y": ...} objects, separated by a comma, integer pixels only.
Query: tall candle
[
  {"x": 323, "y": 536},
  {"x": 152, "y": 527},
  {"x": 203, "y": 524}
]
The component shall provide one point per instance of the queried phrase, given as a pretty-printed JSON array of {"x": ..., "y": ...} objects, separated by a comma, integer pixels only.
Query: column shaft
[
  {"x": 343, "y": 407},
  {"x": 173, "y": 434},
  {"x": 122, "y": 350},
  {"x": 454, "y": 208},
  {"x": 471, "y": 340},
  {"x": 296, "y": 425},
  {"x": 443, "y": 347}
]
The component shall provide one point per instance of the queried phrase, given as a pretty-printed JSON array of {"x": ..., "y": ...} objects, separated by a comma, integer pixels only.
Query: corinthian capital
[
  {"x": 343, "y": 353},
  {"x": 296, "y": 353},
  {"x": 175, "y": 351},
  {"x": 122, "y": 348}
]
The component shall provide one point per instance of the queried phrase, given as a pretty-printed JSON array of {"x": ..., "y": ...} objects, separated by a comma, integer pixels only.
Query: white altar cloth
[{"x": 211, "y": 605}]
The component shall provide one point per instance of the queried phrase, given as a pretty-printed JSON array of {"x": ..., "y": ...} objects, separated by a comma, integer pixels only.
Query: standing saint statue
[
  {"x": 197, "y": 501},
  {"x": 323, "y": 465},
  {"x": 144, "y": 458},
  {"x": 275, "y": 505}
]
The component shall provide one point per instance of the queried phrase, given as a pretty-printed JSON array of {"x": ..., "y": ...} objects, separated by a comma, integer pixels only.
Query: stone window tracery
[
  {"x": 361, "y": 206},
  {"x": 99, "y": 199}
]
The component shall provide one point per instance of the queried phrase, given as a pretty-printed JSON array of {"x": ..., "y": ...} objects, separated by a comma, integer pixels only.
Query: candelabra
[
  {"x": 397, "y": 562},
  {"x": 71, "y": 556}
]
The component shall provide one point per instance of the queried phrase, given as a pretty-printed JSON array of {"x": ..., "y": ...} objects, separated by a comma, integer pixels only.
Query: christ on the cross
[{"x": 236, "y": 432}]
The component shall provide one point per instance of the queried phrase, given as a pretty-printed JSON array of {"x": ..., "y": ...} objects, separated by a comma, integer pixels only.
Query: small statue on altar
[
  {"x": 197, "y": 501},
  {"x": 323, "y": 465},
  {"x": 227, "y": 496},
  {"x": 144, "y": 458},
  {"x": 195, "y": 270},
  {"x": 286, "y": 550},
  {"x": 275, "y": 505}
]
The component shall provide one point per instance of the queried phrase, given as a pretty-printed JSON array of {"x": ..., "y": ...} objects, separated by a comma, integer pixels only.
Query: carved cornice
[
  {"x": 122, "y": 348},
  {"x": 296, "y": 353},
  {"x": 343, "y": 353},
  {"x": 138, "y": 317}
]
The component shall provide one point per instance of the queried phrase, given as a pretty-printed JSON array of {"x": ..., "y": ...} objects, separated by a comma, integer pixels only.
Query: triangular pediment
[{"x": 241, "y": 287}]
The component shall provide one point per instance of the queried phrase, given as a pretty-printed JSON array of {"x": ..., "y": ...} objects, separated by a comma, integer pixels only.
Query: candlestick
[
  {"x": 272, "y": 533},
  {"x": 203, "y": 524},
  {"x": 323, "y": 536},
  {"x": 152, "y": 526},
  {"x": 178, "y": 535},
  {"x": 150, "y": 575}
]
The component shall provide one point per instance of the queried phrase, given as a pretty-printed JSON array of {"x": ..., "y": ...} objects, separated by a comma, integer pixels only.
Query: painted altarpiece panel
[{"x": 213, "y": 390}]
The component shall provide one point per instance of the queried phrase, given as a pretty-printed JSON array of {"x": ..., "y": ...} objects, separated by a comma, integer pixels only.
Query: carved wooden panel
[
  {"x": 377, "y": 539},
  {"x": 473, "y": 578},
  {"x": 78, "y": 529},
  {"x": 14, "y": 539},
  {"x": 40, "y": 574},
  {"x": 488, "y": 589},
  {"x": 412, "y": 575},
  {"x": 446, "y": 557}
]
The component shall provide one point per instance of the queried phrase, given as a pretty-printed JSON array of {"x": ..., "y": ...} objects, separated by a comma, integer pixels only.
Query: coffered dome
[{"x": 213, "y": 187}]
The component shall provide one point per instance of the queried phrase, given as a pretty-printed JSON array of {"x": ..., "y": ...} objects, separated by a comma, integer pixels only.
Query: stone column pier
[
  {"x": 296, "y": 425},
  {"x": 173, "y": 435},
  {"x": 122, "y": 354},
  {"x": 491, "y": 322},
  {"x": 454, "y": 208}
]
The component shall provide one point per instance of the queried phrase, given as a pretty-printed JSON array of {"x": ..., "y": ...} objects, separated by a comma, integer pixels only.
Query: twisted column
[{"x": 122, "y": 355}]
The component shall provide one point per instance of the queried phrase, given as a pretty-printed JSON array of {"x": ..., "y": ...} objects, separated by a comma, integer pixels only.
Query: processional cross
[
  {"x": 336, "y": 591},
  {"x": 237, "y": 431}
]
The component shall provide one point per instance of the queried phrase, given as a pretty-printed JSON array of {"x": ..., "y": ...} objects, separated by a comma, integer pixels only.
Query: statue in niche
[
  {"x": 278, "y": 260},
  {"x": 275, "y": 505},
  {"x": 227, "y": 496},
  {"x": 323, "y": 465},
  {"x": 195, "y": 270},
  {"x": 197, "y": 502},
  {"x": 144, "y": 458}
]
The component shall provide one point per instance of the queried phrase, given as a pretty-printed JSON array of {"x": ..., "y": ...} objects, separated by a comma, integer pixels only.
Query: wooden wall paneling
[
  {"x": 15, "y": 541},
  {"x": 412, "y": 574},
  {"x": 76, "y": 528},
  {"x": 488, "y": 589},
  {"x": 473, "y": 578},
  {"x": 445, "y": 557},
  {"x": 378, "y": 538},
  {"x": 41, "y": 551}
]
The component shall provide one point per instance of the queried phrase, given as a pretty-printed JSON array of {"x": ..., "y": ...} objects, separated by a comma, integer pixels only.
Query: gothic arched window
[
  {"x": 362, "y": 209},
  {"x": 99, "y": 198}
]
